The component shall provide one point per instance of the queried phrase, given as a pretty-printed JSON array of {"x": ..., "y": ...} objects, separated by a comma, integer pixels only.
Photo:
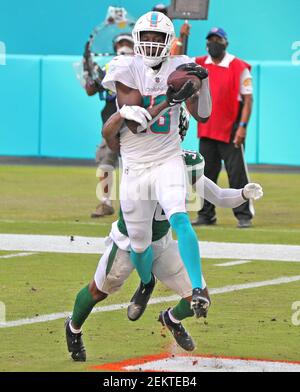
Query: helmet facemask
[{"x": 152, "y": 52}]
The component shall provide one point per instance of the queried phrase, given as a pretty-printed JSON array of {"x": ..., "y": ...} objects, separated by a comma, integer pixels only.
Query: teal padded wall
[
  {"x": 45, "y": 112},
  {"x": 279, "y": 136},
  {"x": 253, "y": 128},
  {"x": 70, "y": 120},
  {"x": 20, "y": 106}
]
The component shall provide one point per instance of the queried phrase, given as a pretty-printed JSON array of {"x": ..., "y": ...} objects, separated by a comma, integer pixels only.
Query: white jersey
[{"x": 161, "y": 141}]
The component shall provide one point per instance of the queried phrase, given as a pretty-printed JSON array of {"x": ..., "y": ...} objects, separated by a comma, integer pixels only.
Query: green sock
[
  {"x": 83, "y": 306},
  {"x": 182, "y": 310}
]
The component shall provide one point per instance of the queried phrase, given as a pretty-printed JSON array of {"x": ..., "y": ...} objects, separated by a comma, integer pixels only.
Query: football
[{"x": 179, "y": 77}]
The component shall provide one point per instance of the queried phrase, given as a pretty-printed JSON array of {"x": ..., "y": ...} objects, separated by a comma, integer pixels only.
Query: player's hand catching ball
[
  {"x": 137, "y": 114},
  {"x": 194, "y": 69},
  {"x": 185, "y": 92},
  {"x": 252, "y": 192},
  {"x": 184, "y": 82}
]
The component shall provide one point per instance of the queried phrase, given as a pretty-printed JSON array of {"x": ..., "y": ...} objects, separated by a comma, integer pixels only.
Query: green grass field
[{"x": 58, "y": 200}]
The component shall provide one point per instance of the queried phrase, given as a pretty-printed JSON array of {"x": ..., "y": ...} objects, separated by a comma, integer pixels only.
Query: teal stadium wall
[
  {"x": 70, "y": 120},
  {"x": 45, "y": 112},
  {"x": 20, "y": 106},
  {"x": 258, "y": 29}
]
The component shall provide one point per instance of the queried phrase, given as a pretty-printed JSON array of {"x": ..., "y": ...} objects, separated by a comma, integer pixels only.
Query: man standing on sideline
[{"x": 223, "y": 136}]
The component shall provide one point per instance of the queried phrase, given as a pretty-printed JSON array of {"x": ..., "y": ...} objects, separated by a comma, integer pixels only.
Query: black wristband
[{"x": 243, "y": 196}]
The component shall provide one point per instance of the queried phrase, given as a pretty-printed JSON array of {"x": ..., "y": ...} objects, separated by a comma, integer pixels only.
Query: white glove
[
  {"x": 137, "y": 114},
  {"x": 253, "y": 191}
]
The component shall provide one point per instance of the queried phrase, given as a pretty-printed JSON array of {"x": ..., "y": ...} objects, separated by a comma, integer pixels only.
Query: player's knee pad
[
  {"x": 139, "y": 240},
  {"x": 139, "y": 250}
]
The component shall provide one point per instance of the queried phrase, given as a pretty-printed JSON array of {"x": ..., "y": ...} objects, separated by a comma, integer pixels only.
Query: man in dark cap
[{"x": 222, "y": 138}]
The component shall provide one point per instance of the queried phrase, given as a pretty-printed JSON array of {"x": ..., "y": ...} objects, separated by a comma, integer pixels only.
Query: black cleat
[
  {"x": 244, "y": 224},
  {"x": 182, "y": 337},
  {"x": 75, "y": 343},
  {"x": 200, "y": 302},
  {"x": 203, "y": 221},
  {"x": 140, "y": 299}
]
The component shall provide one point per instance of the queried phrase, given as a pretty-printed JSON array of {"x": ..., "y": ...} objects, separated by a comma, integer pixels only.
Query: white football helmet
[{"x": 153, "y": 52}]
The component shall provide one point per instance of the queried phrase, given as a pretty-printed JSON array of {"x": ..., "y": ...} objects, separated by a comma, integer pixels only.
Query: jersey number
[{"x": 162, "y": 125}]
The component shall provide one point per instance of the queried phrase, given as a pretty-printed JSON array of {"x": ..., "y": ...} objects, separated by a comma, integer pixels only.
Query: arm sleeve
[
  {"x": 119, "y": 70},
  {"x": 225, "y": 198}
]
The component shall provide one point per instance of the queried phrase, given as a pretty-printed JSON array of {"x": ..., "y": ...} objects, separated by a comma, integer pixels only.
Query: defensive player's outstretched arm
[
  {"x": 227, "y": 198},
  {"x": 111, "y": 129}
]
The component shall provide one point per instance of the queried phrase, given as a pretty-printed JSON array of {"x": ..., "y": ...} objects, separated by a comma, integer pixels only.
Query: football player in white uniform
[
  {"x": 115, "y": 266},
  {"x": 204, "y": 187},
  {"x": 153, "y": 168}
]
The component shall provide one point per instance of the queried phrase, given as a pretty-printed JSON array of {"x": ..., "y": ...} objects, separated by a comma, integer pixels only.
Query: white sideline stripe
[
  {"x": 232, "y": 263},
  {"x": 11, "y": 256},
  {"x": 158, "y": 300},
  {"x": 94, "y": 245},
  {"x": 222, "y": 250},
  {"x": 52, "y": 243}
]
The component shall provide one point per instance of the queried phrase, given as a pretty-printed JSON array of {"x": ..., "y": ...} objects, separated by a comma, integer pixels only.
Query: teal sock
[
  {"x": 188, "y": 247},
  {"x": 182, "y": 310},
  {"x": 83, "y": 306},
  {"x": 143, "y": 264}
]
